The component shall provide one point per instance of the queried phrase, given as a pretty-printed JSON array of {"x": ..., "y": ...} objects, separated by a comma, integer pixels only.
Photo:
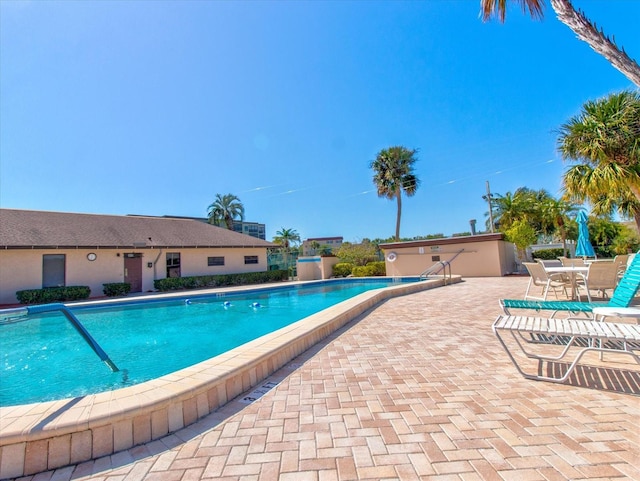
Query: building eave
[{"x": 444, "y": 241}]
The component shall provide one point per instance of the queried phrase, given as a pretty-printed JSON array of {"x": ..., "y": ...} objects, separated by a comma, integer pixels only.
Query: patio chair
[
  {"x": 622, "y": 296},
  {"x": 550, "y": 262},
  {"x": 572, "y": 262},
  {"x": 584, "y": 334},
  {"x": 602, "y": 275},
  {"x": 622, "y": 261},
  {"x": 547, "y": 282}
]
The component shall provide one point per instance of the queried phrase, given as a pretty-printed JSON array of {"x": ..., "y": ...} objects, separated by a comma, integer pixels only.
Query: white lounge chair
[{"x": 579, "y": 336}]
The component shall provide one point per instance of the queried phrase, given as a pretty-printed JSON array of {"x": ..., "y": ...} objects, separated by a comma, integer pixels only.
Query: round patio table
[{"x": 572, "y": 271}]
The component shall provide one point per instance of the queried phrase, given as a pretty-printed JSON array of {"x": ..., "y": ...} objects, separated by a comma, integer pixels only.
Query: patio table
[{"x": 572, "y": 271}]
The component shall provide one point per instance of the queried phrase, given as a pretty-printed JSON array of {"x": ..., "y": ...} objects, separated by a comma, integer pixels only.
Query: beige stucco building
[
  {"x": 47, "y": 249},
  {"x": 483, "y": 255}
]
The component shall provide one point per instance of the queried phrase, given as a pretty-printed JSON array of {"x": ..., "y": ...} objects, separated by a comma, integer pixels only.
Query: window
[
  {"x": 173, "y": 264},
  {"x": 250, "y": 259},
  {"x": 173, "y": 259},
  {"x": 215, "y": 261},
  {"x": 53, "y": 270}
]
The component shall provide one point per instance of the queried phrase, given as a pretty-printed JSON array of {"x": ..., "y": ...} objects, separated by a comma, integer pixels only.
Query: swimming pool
[
  {"x": 47, "y": 435},
  {"x": 44, "y": 358}
]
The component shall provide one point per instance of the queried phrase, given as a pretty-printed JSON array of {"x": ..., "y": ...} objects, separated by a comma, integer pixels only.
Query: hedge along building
[{"x": 48, "y": 249}]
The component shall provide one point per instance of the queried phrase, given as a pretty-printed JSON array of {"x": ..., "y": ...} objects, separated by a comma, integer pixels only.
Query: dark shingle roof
[{"x": 28, "y": 228}]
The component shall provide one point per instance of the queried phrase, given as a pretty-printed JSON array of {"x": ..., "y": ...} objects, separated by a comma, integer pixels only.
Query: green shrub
[
  {"x": 360, "y": 271},
  {"x": 358, "y": 254},
  {"x": 115, "y": 289},
  {"x": 196, "y": 282},
  {"x": 342, "y": 269},
  {"x": 370, "y": 270},
  {"x": 378, "y": 268},
  {"x": 53, "y": 294},
  {"x": 548, "y": 254},
  {"x": 363, "y": 271}
]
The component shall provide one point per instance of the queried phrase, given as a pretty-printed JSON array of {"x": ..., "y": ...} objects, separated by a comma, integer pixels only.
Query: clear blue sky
[{"x": 143, "y": 107}]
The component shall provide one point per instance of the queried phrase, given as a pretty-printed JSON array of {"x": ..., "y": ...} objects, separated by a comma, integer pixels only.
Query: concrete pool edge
[{"x": 45, "y": 436}]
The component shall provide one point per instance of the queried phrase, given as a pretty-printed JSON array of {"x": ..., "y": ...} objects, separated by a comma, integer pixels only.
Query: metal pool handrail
[
  {"x": 440, "y": 266},
  {"x": 75, "y": 322}
]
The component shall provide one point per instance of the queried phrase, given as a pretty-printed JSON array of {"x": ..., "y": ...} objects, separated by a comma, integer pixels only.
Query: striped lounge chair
[{"x": 580, "y": 336}]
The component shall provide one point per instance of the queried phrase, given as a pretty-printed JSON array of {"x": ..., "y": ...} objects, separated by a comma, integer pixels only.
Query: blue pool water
[{"x": 44, "y": 358}]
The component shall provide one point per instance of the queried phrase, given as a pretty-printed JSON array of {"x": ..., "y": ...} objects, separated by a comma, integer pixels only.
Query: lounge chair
[
  {"x": 601, "y": 313},
  {"x": 584, "y": 334},
  {"x": 622, "y": 296}
]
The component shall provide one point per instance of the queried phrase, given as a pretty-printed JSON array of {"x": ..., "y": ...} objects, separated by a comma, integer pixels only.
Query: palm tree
[
  {"x": 224, "y": 210},
  {"x": 605, "y": 136},
  {"x": 287, "y": 238},
  {"x": 576, "y": 21},
  {"x": 555, "y": 215},
  {"x": 315, "y": 245},
  {"x": 510, "y": 208},
  {"x": 393, "y": 175}
]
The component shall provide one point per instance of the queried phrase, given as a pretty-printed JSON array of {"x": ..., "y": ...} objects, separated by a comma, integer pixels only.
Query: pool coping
[{"x": 44, "y": 436}]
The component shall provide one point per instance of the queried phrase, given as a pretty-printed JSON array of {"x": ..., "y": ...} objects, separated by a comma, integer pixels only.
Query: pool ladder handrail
[
  {"x": 75, "y": 322},
  {"x": 440, "y": 266},
  {"x": 435, "y": 269}
]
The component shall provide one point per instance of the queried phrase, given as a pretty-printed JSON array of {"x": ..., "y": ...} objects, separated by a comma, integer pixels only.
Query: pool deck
[{"x": 416, "y": 388}]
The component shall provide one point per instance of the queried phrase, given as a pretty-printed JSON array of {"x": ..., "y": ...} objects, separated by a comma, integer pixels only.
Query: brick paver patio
[{"x": 418, "y": 388}]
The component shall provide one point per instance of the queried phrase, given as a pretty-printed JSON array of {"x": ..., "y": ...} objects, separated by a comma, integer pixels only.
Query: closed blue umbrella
[{"x": 583, "y": 247}]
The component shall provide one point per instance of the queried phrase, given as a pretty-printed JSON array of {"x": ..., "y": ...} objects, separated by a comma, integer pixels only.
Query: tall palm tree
[
  {"x": 225, "y": 209},
  {"x": 576, "y": 21},
  {"x": 605, "y": 137},
  {"x": 393, "y": 174}
]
